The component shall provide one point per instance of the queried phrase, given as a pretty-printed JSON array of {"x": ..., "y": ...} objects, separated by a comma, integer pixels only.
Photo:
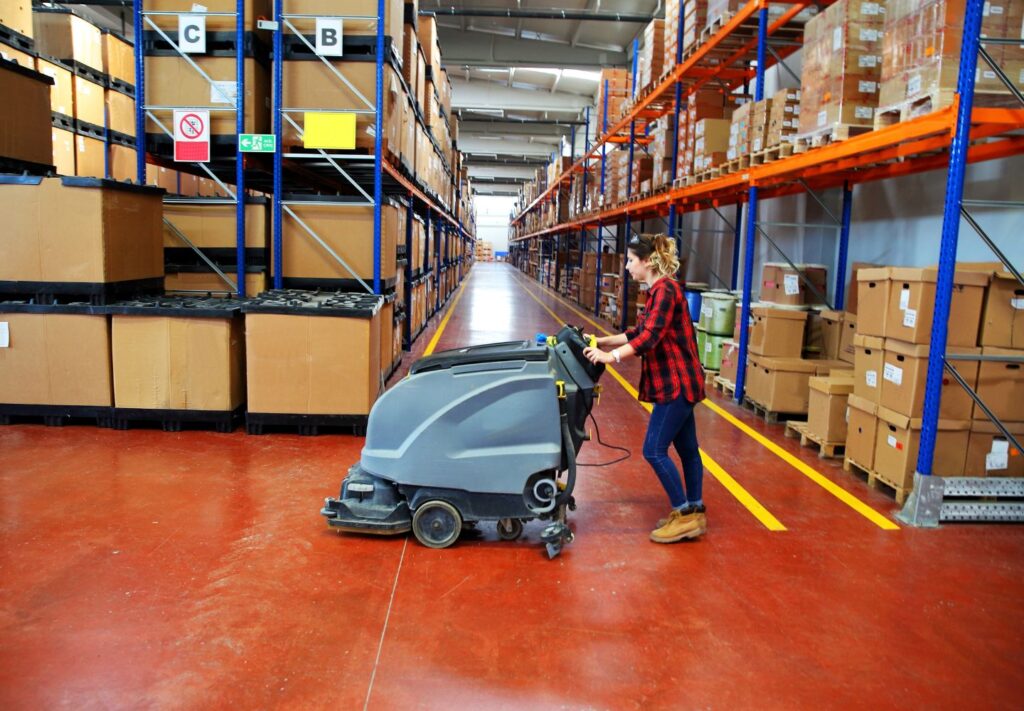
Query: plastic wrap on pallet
[{"x": 842, "y": 63}]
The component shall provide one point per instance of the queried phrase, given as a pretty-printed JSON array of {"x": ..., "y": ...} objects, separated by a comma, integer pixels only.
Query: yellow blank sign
[{"x": 323, "y": 130}]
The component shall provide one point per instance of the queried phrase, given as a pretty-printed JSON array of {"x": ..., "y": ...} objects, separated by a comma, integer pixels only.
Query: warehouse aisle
[{"x": 192, "y": 570}]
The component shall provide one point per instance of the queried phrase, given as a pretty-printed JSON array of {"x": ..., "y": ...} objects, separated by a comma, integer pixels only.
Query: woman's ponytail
[{"x": 663, "y": 258}]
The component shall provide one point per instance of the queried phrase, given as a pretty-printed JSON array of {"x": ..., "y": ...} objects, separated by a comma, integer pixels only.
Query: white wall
[{"x": 492, "y": 219}]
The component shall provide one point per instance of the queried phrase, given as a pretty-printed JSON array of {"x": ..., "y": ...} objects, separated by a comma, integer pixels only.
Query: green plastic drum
[
  {"x": 701, "y": 339},
  {"x": 711, "y": 355},
  {"x": 718, "y": 312}
]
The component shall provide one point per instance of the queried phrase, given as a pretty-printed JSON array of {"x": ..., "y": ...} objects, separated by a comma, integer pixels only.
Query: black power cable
[{"x": 597, "y": 431}]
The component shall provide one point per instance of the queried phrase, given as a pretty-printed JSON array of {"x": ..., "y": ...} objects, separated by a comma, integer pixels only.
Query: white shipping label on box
[
  {"x": 822, "y": 118},
  {"x": 837, "y": 39},
  {"x": 1000, "y": 446},
  {"x": 871, "y": 378},
  {"x": 914, "y": 85},
  {"x": 869, "y": 60},
  {"x": 328, "y": 37},
  {"x": 871, "y": 8},
  {"x": 868, "y": 34},
  {"x": 910, "y": 318},
  {"x": 792, "y": 284},
  {"x": 1017, "y": 303},
  {"x": 867, "y": 87},
  {"x": 192, "y": 34},
  {"x": 904, "y": 298},
  {"x": 5, "y": 334},
  {"x": 863, "y": 112},
  {"x": 996, "y": 460},
  {"x": 892, "y": 442},
  {"x": 847, "y": 415},
  {"x": 893, "y": 374},
  {"x": 223, "y": 92}
]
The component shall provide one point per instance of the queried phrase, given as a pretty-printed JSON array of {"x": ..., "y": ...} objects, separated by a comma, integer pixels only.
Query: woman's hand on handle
[{"x": 597, "y": 356}]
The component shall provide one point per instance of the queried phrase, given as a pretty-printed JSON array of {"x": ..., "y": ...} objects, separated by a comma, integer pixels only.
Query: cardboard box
[
  {"x": 912, "y": 303},
  {"x": 89, "y": 105},
  {"x": 904, "y": 371},
  {"x": 120, "y": 112},
  {"x": 754, "y": 379},
  {"x": 254, "y": 9},
  {"x": 852, "y": 298},
  {"x": 63, "y": 151},
  {"x": 831, "y": 325},
  {"x": 171, "y": 81},
  {"x": 62, "y": 93},
  {"x": 312, "y": 85},
  {"x": 873, "y": 287},
  {"x": 104, "y": 232},
  {"x": 177, "y": 363},
  {"x": 989, "y": 453},
  {"x": 349, "y": 232},
  {"x": 898, "y": 439},
  {"x": 1002, "y": 323},
  {"x": 212, "y": 227},
  {"x": 868, "y": 363},
  {"x": 784, "y": 383},
  {"x": 849, "y": 330},
  {"x": 65, "y": 36},
  {"x": 781, "y": 284},
  {"x": 57, "y": 357},
  {"x": 1001, "y": 385},
  {"x": 119, "y": 57},
  {"x": 22, "y": 59},
  {"x": 730, "y": 360},
  {"x": 826, "y": 407},
  {"x": 25, "y": 114},
  {"x": 861, "y": 430},
  {"x": 294, "y": 363},
  {"x": 90, "y": 157},
  {"x": 17, "y": 15},
  {"x": 777, "y": 332},
  {"x": 123, "y": 164}
]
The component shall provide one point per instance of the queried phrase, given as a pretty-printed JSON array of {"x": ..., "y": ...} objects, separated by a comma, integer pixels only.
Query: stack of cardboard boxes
[
  {"x": 842, "y": 61},
  {"x": 613, "y": 93},
  {"x": 893, "y": 332},
  {"x": 652, "y": 55},
  {"x": 695, "y": 17},
  {"x": 921, "y": 55},
  {"x": 784, "y": 118}
]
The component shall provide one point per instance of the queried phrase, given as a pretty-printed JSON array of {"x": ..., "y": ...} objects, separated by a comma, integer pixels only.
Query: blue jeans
[{"x": 673, "y": 423}]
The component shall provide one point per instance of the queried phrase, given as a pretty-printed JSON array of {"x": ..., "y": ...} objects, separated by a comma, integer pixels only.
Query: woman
[{"x": 671, "y": 378}]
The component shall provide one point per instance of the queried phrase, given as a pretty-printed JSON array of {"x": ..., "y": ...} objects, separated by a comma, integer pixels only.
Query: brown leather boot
[
  {"x": 701, "y": 515},
  {"x": 679, "y": 526}
]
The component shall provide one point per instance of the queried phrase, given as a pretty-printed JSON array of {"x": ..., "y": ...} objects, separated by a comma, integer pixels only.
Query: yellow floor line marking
[
  {"x": 817, "y": 477},
  {"x": 444, "y": 322},
  {"x": 731, "y": 485}
]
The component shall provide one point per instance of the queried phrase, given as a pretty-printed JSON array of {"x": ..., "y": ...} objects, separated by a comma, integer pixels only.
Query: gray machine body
[{"x": 482, "y": 427}]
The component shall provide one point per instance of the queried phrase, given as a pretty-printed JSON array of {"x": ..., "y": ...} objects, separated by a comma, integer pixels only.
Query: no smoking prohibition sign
[{"x": 192, "y": 136}]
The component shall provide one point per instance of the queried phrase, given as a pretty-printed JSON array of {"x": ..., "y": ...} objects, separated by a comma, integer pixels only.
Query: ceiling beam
[
  {"x": 506, "y": 146},
  {"x": 520, "y": 14},
  {"x": 509, "y": 173},
  {"x": 479, "y": 49},
  {"x": 490, "y": 95}
]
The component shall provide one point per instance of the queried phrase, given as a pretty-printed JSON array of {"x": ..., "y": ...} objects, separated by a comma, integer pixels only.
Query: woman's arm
[{"x": 611, "y": 341}]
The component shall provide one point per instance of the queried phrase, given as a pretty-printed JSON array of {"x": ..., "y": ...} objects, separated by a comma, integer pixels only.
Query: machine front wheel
[
  {"x": 437, "y": 524},
  {"x": 509, "y": 529}
]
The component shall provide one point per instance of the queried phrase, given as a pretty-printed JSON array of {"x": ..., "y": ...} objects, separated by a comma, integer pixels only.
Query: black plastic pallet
[
  {"x": 56, "y": 415},
  {"x": 121, "y": 86},
  {"x": 62, "y": 121},
  {"x": 177, "y": 420},
  {"x": 355, "y": 48},
  {"x": 257, "y": 423},
  {"x": 121, "y": 139},
  {"x": 85, "y": 71},
  {"x": 16, "y": 39},
  {"x": 335, "y": 284},
  {"x": 18, "y": 167},
  {"x": 218, "y": 44},
  {"x": 84, "y": 128},
  {"x": 97, "y": 294},
  {"x": 185, "y": 259}
]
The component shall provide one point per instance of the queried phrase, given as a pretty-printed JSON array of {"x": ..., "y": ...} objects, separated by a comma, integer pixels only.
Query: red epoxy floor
[{"x": 144, "y": 569}]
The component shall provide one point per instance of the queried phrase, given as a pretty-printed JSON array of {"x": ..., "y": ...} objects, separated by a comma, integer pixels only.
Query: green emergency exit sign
[{"x": 256, "y": 143}]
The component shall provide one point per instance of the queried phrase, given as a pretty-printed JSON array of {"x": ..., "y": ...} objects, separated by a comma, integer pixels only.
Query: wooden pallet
[
  {"x": 826, "y": 136},
  {"x": 709, "y": 174},
  {"x": 826, "y": 450},
  {"x": 709, "y": 378},
  {"x": 770, "y": 417},
  {"x": 874, "y": 479},
  {"x": 772, "y": 153},
  {"x": 911, "y": 108},
  {"x": 713, "y": 27},
  {"x": 726, "y": 386}
]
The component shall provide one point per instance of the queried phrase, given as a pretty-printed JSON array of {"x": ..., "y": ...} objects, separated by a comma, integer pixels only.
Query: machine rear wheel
[{"x": 437, "y": 524}]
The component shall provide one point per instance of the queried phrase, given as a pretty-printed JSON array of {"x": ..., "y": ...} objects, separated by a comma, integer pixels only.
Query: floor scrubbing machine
[{"x": 484, "y": 433}]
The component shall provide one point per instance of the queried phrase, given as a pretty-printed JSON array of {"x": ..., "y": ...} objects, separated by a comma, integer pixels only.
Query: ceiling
[{"x": 522, "y": 82}]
